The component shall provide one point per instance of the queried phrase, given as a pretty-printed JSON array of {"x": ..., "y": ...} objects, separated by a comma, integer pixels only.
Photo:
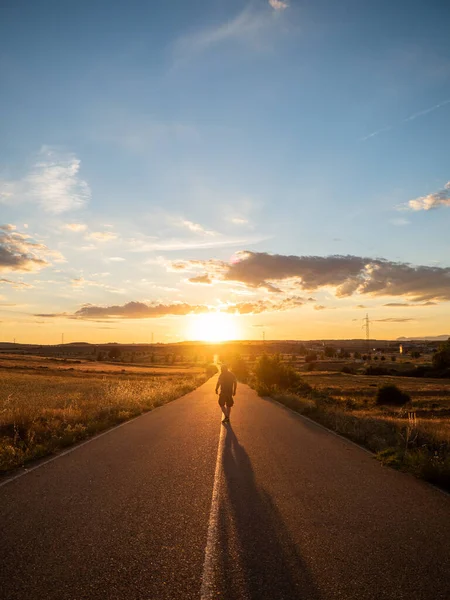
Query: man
[{"x": 227, "y": 383}]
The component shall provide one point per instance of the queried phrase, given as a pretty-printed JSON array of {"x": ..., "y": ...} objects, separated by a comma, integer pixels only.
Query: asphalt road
[{"x": 270, "y": 507}]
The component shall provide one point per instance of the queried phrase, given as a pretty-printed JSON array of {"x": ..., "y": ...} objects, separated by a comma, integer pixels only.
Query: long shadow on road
[{"x": 259, "y": 560}]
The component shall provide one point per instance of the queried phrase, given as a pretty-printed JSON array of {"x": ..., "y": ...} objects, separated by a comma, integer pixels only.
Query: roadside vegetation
[
  {"x": 42, "y": 412},
  {"x": 404, "y": 421}
]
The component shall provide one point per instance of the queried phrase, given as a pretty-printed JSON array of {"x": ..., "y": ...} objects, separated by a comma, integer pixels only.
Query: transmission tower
[{"x": 366, "y": 326}]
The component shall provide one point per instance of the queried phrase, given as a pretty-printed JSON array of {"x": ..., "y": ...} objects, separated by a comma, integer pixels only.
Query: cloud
[
  {"x": 101, "y": 236},
  {"x": 77, "y": 227},
  {"x": 239, "y": 221},
  {"x": 346, "y": 274},
  {"x": 138, "y": 310},
  {"x": 278, "y": 4},
  {"x": 260, "y": 306},
  {"x": 171, "y": 244},
  {"x": 8, "y": 227},
  {"x": 393, "y": 320},
  {"x": 399, "y": 222},
  {"x": 203, "y": 279},
  {"x": 53, "y": 183},
  {"x": 251, "y": 26},
  {"x": 141, "y": 310},
  {"x": 360, "y": 306},
  {"x": 116, "y": 259},
  {"x": 408, "y": 304},
  {"x": 196, "y": 228},
  {"x": 398, "y": 304},
  {"x": 17, "y": 285},
  {"x": 440, "y": 198},
  {"x": 320, "y": 307},
  {"x": 17, "y": 253}
]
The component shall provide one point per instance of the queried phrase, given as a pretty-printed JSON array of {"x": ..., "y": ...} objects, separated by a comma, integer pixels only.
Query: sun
[{"x": 213, "y": 327}]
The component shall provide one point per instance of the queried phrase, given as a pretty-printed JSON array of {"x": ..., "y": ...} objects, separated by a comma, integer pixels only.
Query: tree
[
  {"x": 441, "y": 358},
  {"x": 114, "y": 353},
  {"x": 357, "y": 355},
  {"x": 330, "y": 352},
  {"x": 310, "y": 357},
  {"x": 415, "y": 354}
]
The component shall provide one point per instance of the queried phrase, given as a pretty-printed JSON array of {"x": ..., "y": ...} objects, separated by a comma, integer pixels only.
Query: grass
[
  {"x": 42, "y": 413},
  {"x": 346, "y": 404}
]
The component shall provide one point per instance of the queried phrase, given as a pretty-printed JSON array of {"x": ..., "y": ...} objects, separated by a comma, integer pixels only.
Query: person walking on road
[{"x": 227, "y": 383}]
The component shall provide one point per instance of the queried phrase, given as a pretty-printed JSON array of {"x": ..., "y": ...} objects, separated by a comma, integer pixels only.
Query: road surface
[{"x": 174, "y": 505}]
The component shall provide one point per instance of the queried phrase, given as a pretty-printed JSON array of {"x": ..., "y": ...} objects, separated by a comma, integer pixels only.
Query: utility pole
[
  {"x": 153, "y": 337},
  {"x": 62, "y": 339},
  {"x": 264, "y": 337},
  {"x": 366, "y": 325}
]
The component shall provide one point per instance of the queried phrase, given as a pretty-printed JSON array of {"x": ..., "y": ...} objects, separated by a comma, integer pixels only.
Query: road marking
[{"x": 207, "y": 591}]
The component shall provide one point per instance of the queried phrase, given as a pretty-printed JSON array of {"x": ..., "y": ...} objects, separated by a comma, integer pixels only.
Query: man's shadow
[{"x": 259, "y": 558}]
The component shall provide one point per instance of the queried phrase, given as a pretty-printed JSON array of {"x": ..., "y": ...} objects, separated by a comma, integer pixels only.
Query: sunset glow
[{"x": 213, "y": 327}]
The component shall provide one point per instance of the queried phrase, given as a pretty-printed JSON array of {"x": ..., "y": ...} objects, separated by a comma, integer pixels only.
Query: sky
[{"x": 223, "y": 168}]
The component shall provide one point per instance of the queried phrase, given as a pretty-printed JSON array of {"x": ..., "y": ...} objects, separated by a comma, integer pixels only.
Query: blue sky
[{"x": 139, "y": 135}]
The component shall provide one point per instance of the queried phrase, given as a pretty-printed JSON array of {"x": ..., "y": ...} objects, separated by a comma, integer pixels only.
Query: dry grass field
[
  {"x": 46, "y": 405},
  {"x": 346, "y": 403}
]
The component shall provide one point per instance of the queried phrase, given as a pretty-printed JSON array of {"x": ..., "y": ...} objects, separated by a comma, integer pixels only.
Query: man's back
[{"x": 227, "y": 383}]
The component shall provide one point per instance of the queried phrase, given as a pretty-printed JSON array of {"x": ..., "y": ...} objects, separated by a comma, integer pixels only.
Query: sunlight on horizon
[{"x": 213, "y": 327}]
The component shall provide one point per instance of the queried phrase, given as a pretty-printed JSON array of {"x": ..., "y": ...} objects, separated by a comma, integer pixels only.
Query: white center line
[{"x": 208, "y": 591}]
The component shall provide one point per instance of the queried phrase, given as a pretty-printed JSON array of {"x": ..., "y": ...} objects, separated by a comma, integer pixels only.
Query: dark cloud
[
  {"x": 393, "y": 320},
  {"x": 17, "y": 253},
  {"x": 205, "y": 279},
  {"x": 138, "y": 310},
  {"x": 347, "y": 274},
  {"x": 398, "y": 304}
]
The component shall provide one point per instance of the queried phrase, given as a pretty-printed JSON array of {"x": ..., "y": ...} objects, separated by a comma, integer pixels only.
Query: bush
[
  {"x": 211, "y": 370},
  {"x": 391, "y": 395},
  {"x": 441, "y": 358},
  {"x": 271, "y": 374},
  {"x": 310, "y": 357},
  {"x": 348, "y": 370},
  {"x": 239, "y": 368}
]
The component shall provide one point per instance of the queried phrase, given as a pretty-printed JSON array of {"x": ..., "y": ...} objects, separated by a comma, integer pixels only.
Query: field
[
  {"x": 48, "y": 404},
  {"x": 346, "y": 403}
]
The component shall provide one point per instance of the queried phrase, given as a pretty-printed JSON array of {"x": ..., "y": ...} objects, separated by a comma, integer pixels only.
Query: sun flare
[{"x": 213, "y": 327}]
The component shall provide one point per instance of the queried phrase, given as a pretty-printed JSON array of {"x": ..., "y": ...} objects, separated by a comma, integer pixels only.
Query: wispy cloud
[
  {"x": 412, "y": 117},
  {"x": 76, "y": 227},
  {"x": 399, "y": 222},
  {"x": 197, "y": 228},
  {"x": 250, "y": 26},
  {"x": 53, "y": 183},
  {"x": 435, "y": 200},
  {"x": 278, "y": 4},
  {"x": 101, "y": 236}
]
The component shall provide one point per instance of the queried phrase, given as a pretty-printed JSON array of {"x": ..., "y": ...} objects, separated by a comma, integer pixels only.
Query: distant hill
[{"x": 425, "y": 338}]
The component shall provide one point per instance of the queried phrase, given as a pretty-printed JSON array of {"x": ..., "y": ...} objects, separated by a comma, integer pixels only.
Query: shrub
[
  {"x": 441, "y": 358},
  {"x": 348, "y": 370},
  {"x": 391, "y": 395},
  {"x": 239, "y": 368},
  {"x": 210, "y": 370},
  {"x": 272, "y": 374},
  {"x": 310, "y": 357}
]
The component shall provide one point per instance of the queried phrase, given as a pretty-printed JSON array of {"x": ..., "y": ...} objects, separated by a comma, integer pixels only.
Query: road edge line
[{"x": 207, "y": 591}]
